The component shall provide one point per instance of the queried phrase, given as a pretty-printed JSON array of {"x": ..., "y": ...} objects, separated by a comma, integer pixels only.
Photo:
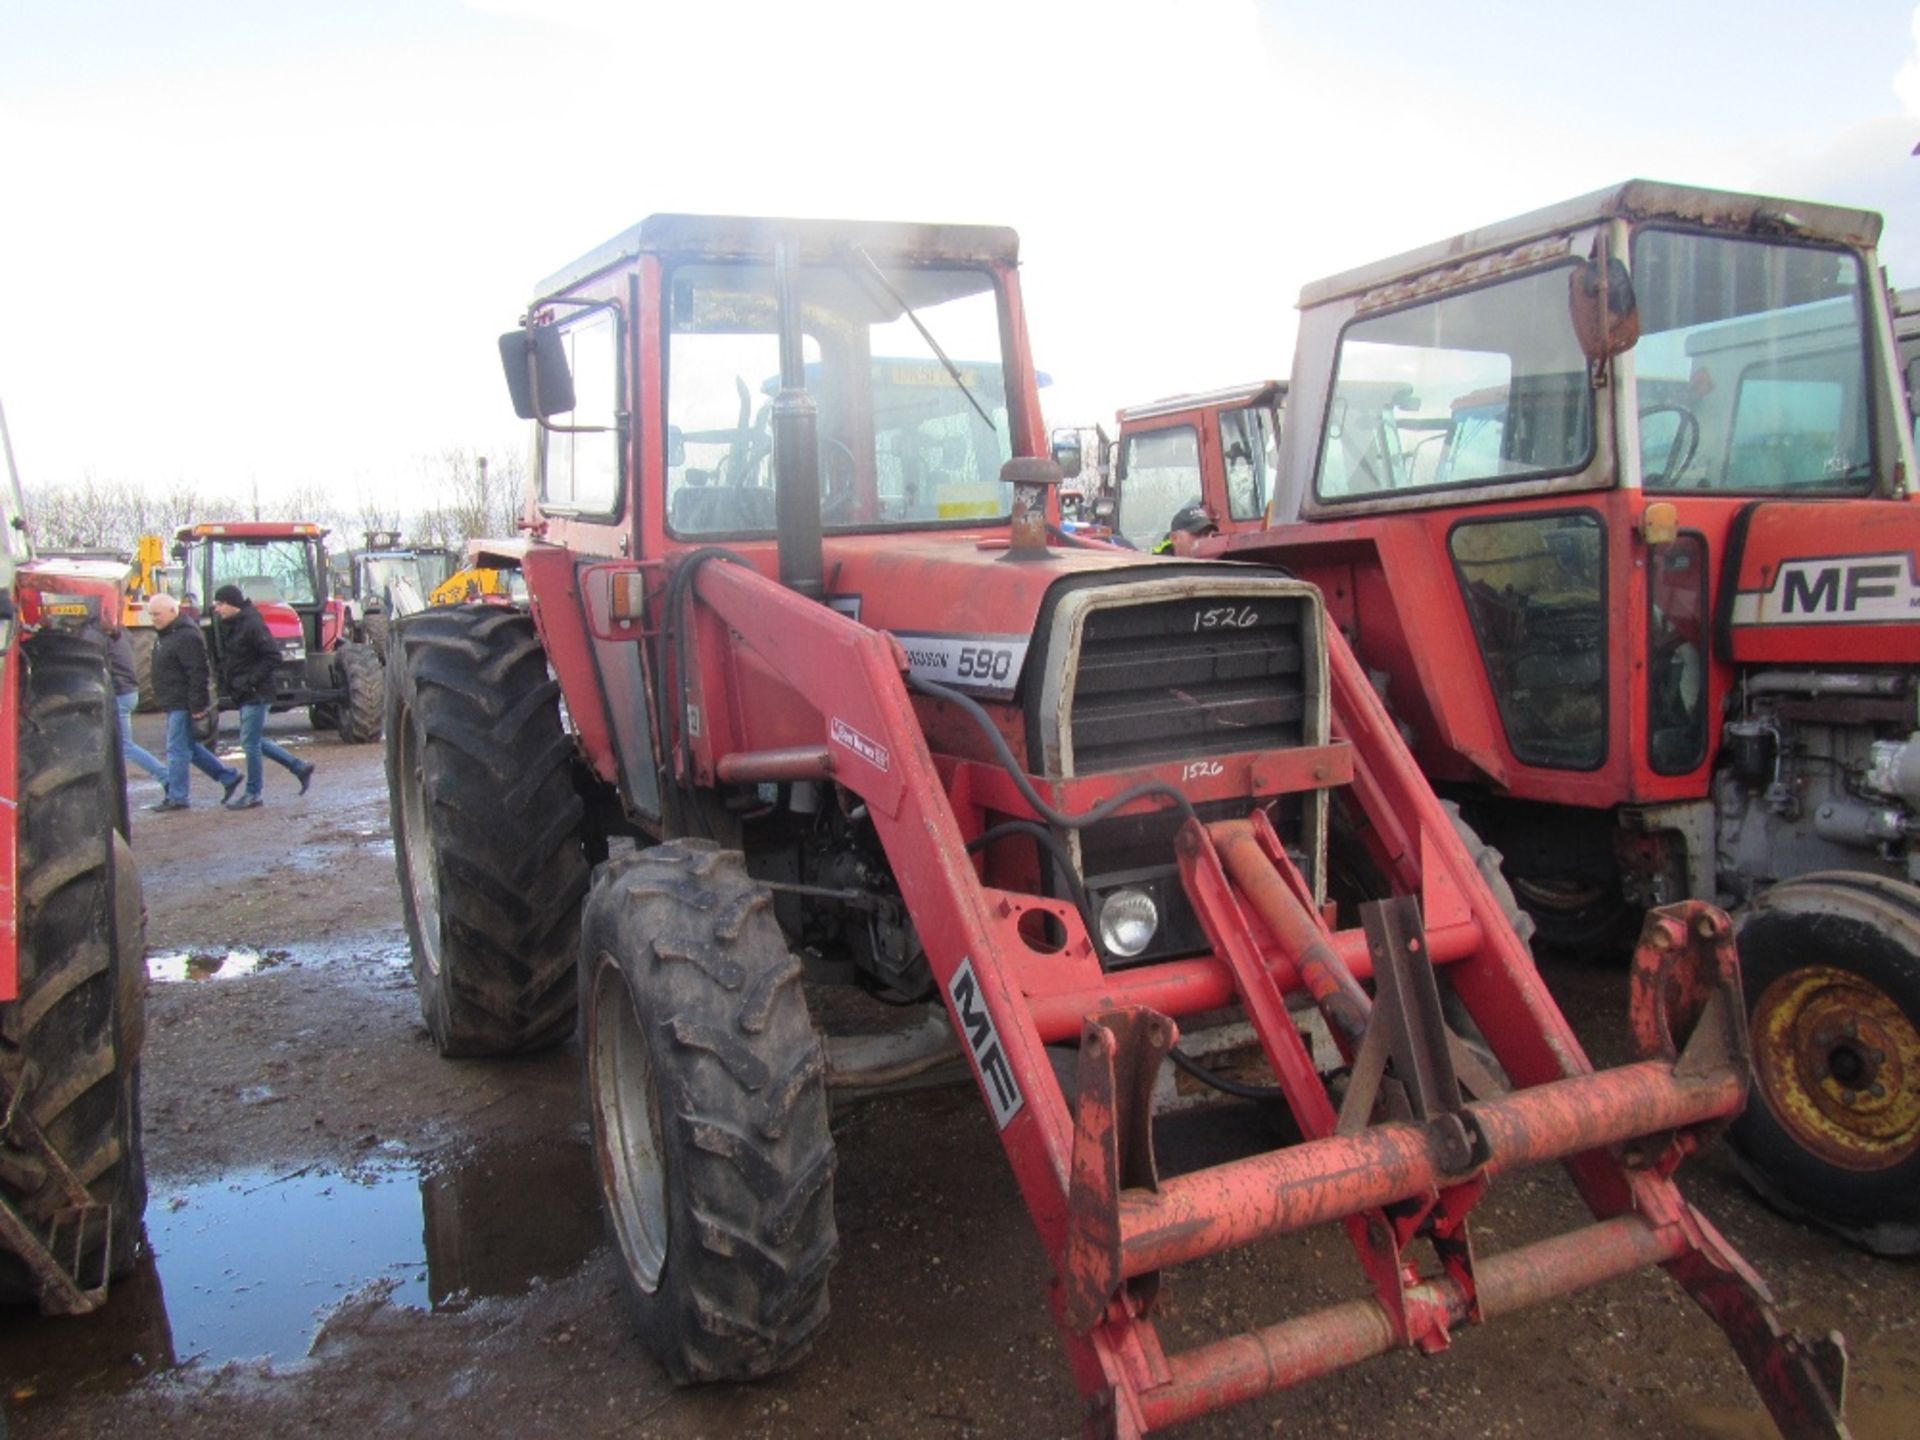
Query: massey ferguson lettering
[
  {"x": 996, "y": 1075},
  {"x": 986, "y": 664},
  {"x": 1839, "y": 589}
]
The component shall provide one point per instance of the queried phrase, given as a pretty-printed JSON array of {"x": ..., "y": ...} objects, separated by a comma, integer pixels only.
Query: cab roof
[
  {"x": 742, "y": 237},
  {"x": 1632, "y": 200},
  {"x": 1258, "y": 392}
]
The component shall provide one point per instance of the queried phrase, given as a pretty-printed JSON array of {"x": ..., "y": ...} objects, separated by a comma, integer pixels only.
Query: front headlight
[{"x": 1128, "y": 922}]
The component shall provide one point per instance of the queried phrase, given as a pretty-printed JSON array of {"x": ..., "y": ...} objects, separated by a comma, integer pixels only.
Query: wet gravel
[{"x": 348, "y": 1234}]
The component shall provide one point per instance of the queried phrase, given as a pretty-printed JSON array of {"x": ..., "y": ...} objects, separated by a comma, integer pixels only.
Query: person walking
[
  {"x": 180, "y": 688},
  {"x": 126, "y": 698},
  {"x": 252, "y": 660}
]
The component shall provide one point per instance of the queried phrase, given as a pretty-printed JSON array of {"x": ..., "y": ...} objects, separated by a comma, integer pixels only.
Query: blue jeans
[
  {"x": 182, "y": 750},
  {"x": 253, "y": 721},
  {"x": 135, "y": 755}
]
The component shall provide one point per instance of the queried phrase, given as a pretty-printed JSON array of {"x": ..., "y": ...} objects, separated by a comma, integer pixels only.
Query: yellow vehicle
[{"x": 491, "y": 574}]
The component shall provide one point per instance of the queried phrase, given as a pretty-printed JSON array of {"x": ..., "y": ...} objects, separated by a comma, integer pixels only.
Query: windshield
[
  {"x": 264, "y": 570},
  {"x": 1751, "y": 365},
  {"x": 903, "y": 440},
  {"x": 383, "y": 570},
  {"x": 1159, "y": 474},
  {"x": 1484, "y": 385}
]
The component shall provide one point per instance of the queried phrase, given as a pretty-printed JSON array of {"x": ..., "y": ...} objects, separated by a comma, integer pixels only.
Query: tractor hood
[
  {"x": 283, "y": 621},
  {"x": 1813, "y": 582},
  {"x": 963, "y": 611}
]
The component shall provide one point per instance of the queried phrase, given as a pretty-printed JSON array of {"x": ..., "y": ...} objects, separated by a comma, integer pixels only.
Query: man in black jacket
[
  {"x": 252, "y": 660},
  {"x": 180, "y": 688}
]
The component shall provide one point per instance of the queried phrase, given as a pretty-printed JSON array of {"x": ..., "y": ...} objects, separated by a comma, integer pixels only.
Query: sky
[{"x": 248, "y": 244}]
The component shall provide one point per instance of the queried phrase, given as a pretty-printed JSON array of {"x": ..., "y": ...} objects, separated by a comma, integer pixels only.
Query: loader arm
[{"x": 1084, "y": 1163}]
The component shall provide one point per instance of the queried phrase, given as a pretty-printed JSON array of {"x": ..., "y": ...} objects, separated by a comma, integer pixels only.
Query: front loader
[{"x": 811, "y": 687}]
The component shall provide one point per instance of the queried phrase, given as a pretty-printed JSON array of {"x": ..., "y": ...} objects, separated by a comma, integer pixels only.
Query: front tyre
[
  {"x": 487, "y": 830},
  {"x": 705, "y": 1084},
  {"x": 70, "y": 1044},
  {"x": 1831, "y": 1133},
  {"x": 364, "y": 678}
]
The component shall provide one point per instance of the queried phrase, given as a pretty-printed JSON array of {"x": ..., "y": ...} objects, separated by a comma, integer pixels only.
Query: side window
[
  {"x": 1161, "y": 470},
  {"x": 580, "y": 469},
  {"x": 1243, "y": 451},
  {"x": 1535, "y": 590}
]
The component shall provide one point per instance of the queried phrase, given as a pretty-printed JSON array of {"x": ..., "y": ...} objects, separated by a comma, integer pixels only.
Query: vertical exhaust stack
[
  {"x": 796, "y": 447},
  {"x": 1034, "y": 479}
]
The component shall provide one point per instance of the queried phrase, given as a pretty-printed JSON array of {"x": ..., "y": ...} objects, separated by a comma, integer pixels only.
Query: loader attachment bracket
[
  {"x": 1686, "y": 1008},
  {"x": 1121, "y": 1052}
]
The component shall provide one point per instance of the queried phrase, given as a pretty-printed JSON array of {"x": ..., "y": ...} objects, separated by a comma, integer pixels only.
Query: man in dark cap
[
  {"x": 252, "y": 660},
  {"x": 1189, "y": 521}
]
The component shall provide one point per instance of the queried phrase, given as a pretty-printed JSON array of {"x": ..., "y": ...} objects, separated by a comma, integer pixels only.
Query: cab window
[
  {"x": 1246, "y": 447},
  {"x": 1476, "y": 387},
  {"x": 1750, "y": 370},
  {"x": 580, "y": 468},
  {"x": 1160, "y": 472}
]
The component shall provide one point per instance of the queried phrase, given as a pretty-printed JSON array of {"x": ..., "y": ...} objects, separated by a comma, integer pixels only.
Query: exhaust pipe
[{"x": 796, "y": 447}]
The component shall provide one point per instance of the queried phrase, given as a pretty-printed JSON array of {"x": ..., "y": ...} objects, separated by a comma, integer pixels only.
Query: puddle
[
  {"x": 232, "y": 962},
  {"x": 249, "y": 1266},
  {"x": 170, "y": 967}
]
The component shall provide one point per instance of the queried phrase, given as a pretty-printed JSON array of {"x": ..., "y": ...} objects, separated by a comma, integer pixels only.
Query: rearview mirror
[
  {"x": 1066, "y": 453},
  {"x": 1600, "y": 301},
  {"x": 537, "y": 376},
  {"x": 676, "y": 447}
]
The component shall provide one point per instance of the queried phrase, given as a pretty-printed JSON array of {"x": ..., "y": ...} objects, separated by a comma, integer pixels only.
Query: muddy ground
[{"x": 351, "y": 1236}]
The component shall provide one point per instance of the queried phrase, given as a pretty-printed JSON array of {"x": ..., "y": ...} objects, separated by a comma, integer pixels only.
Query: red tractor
[
  {"x": 72, "y": 949},
  {"x": 282, "y": 568},
  {"x": 811, "y": 687},
  {"x": 1216, "y": 450},
  {"x": 1614, "y": 502}
]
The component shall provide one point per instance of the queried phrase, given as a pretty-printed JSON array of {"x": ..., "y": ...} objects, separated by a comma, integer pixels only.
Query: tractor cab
[
  {"x": 1216, "y": 451},
  {"x": 1615, "y": 502},
  {"x": 1597, "y": 460}
]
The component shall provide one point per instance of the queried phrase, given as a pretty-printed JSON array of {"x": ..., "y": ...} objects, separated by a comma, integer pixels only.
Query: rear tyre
[
  {"x": 1831, "y": 1132},
  {"x": 375, "y": 627},
  {"x": 705, "y": 1083},
  {"x": 364, "y": 678},
  {"x": 487, "y": 831},
  {"x": 71, "y": 1041}
]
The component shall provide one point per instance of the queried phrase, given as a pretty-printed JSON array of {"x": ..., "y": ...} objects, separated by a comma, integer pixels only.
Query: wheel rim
[
  {"x": 422, "y": 877},
  {"x": 626, "y": 1125},
  {"x": 1561, "y": 896},
  {"x": 1838, "y": 1063}
]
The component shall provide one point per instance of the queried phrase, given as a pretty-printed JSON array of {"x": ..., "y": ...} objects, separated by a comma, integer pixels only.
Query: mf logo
[
  {"x": 996, "y": 1075},
  {"x": 1841, "y": 589}
]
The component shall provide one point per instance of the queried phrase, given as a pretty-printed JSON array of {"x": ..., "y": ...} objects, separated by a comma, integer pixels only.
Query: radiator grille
[{"x": 1187, "y": 678}]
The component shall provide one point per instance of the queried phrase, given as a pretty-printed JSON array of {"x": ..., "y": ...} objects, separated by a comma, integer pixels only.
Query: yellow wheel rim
[{"x": 1838, "y": 1063}]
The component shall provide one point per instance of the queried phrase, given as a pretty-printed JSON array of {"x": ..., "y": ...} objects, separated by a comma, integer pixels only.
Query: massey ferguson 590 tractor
[
  {"x": 72, "y": 937},
  {"x": 840, "y": 701},
  {"x": 1615, "y": 502}
]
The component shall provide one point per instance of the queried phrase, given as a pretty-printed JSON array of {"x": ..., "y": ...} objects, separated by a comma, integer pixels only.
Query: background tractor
[
  {"x": 72, "y": 952},
  {"x": 385, "y": 579},
  {"x": 1218, "y": 450},
  {"x": 814, "y": 700},
  {"x": 282, "y": 568},
  {"x": 1615, "y": 503}
]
